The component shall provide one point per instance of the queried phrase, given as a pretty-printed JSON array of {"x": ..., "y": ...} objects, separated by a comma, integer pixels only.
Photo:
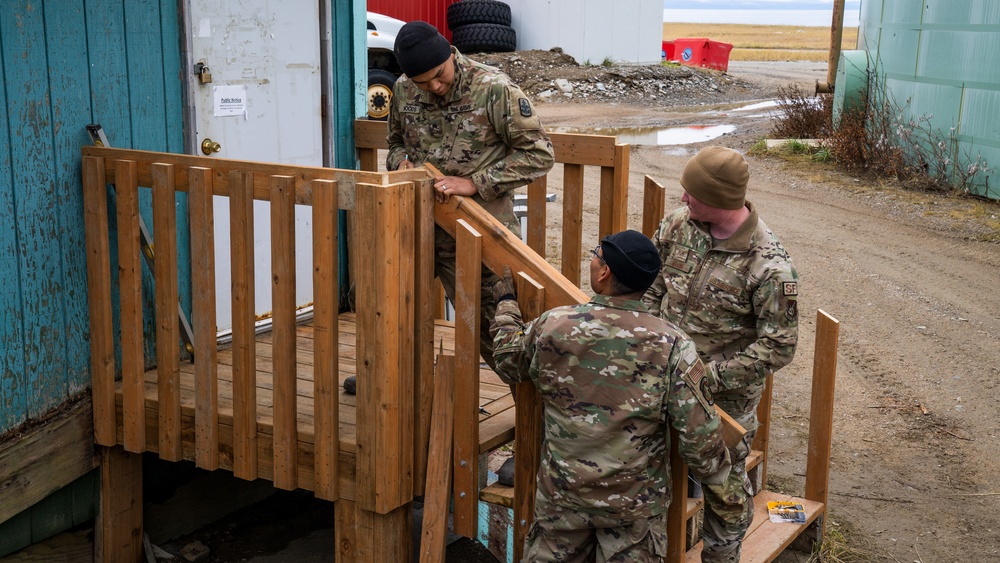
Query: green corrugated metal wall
[{"x": 940, "y": 55}]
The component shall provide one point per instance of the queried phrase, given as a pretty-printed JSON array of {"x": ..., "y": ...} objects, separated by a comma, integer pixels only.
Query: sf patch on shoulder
[
  {"x": 525, "y": 107},
  {"x": 789, "y": 289}
]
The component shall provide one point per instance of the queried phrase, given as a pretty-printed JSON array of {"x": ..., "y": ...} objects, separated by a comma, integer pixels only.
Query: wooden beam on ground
[
  {"x": 435, "y": 523},
  {"x": 201, "y": 202},
  {"x": 821, "y": 409},
  {"x": 102, "y": 348},
  {"x": 47, "y": 457},
  {"x": 468, "y": 287},
  {"x": 528, "y": 445},
  {"x": 653, "y": 207},
  {"x": 167, "y": 324},
  {"x": 241, "y": 237},
  {"x": 130, "y": 298},
  {"x": 118, "y": 532},
  {"x": 283, "y": 301},
  {"x": 572, "y": 222},
  {"x": 326, "y": 336}
]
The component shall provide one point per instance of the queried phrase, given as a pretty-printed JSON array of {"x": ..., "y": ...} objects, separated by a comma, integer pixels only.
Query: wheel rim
[{"x": 379, "y": 97}]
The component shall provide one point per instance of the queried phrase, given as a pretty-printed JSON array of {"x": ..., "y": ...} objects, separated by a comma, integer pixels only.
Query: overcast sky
[{"x": 757, "y": 4}]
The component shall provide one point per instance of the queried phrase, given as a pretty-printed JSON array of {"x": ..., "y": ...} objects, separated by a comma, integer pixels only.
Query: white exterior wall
[{"x": 628, "y": 31}]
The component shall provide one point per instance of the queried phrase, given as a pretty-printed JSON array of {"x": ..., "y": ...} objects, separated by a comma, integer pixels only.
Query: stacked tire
[{"x": 481, "y": 26}]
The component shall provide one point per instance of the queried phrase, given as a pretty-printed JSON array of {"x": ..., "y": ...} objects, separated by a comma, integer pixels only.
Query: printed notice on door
[{"x": 230, "y": 100}]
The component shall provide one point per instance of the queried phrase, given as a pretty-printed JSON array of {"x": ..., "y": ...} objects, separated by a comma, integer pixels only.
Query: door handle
[{"x": 208, "y": 146}]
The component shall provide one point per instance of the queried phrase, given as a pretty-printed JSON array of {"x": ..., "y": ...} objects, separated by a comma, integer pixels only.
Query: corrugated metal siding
[
  {"x": 66, "y": 64},
  {"x": 936, "y": 55},
  {"x": 434, "y": 12}
]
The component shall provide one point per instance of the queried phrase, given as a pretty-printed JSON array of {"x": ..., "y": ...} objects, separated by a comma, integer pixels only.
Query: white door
[{"x": 263, "y": 103}]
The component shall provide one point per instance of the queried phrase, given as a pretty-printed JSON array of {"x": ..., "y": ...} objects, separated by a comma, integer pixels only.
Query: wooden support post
[
  {"x": 285, "y": 439},
  {"x": 529, "y": 426},
  {"x": 435, "y": 531},
  {"x": 118, "y": 532},
  {"x": 385, "y": 348},
  {"x": 653, "y": 207},
  {"x": 468, "y": 286},
  {"x": 326, "y": 384},
  {"x": 614, "y": 194},
  {"x": 677, "y": 511},
  {"x": 362, "y": 536},
  {"x": 761, "y": 439},
  {"x": 167, "y": 326},
  {"x": 425, "y": 295},
  {"x": 537, "y": 214},
  {"x": 102, "y": 349},
  {"x": 572, "y": 222},
  {"x": 130, "y": 287},
  {"x": 821, "y": 410},
  {"x": 244, "y": 337},
  {"x": 206, "y": 414}
]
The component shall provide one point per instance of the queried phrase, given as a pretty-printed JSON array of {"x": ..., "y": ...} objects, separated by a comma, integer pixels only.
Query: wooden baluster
[
  {"x": 206, "y": 382},
  {"x": 537, "y": 215},
  {"x": 244, "y": 337},
  {"x": 572, "y": 222},
  {"x": 326, "y": 384},
  {"x": 654, "y": 201},
  {"x": 167, "y": 325},
  {"x": 130, "y": 297},
  {"x": 286, "y": 439}
]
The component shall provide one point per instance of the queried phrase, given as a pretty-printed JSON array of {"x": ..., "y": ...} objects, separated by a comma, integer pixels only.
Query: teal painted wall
[{"x": 938, "y": 55}]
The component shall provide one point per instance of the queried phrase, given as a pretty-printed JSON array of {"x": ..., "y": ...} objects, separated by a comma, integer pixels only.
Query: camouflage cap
[{"x": 632, "y": 257}]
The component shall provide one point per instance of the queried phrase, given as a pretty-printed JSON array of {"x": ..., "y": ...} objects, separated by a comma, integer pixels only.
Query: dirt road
[{"x": 916, "y": 456}]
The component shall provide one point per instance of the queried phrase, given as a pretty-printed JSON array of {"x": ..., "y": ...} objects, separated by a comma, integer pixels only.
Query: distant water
[{"x": 805, "y": 18}]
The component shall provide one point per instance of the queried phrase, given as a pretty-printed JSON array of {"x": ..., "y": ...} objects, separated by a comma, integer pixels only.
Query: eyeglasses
[{"x": 597, "y": 254}]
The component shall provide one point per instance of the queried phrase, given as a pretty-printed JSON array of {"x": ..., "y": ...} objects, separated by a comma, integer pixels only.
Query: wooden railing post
[
  {"x": 102, "y": 348},
  {"x": 653, "y": 206},
  {"x": 326, "y": 293},
  {"x": 384, "y": 346},
  {"x": 614, "y": 194},
  {"x": 435, "y": 531},
  {"x": 468, "y": 286},
  {"x": 201, "y": 204},
  {"x": 241, "y": 235},
  {"x": 167, "y": 326},
  {"x": 821, "y": 410},
  {"x": 572, "y": 222},
  {"x": 529, "y": 426},
  {"x": 286, "y": 442},
  {"x": 425, "y": 301},
  {"x": 537, "y": 214},
  {"x": 130, "y": 297}
]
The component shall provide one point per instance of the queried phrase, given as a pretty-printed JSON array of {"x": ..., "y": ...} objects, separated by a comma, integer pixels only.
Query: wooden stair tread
[{"x": 765, "y": 540}]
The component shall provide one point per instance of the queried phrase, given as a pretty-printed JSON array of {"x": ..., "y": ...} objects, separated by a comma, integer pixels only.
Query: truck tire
[
  {"x": 380, "y": 84},
  {"x": 484, "y": 38},
  {"x": 469, "y": 12}
]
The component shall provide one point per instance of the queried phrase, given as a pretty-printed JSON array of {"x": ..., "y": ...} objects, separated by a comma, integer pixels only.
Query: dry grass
[{"x": 766, "y": 42}]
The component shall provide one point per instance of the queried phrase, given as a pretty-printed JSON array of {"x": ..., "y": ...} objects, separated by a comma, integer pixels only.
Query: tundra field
[{"x": 766, "y": 42}]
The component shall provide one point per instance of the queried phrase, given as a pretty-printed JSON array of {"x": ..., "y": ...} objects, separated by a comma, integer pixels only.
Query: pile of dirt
[{"x": 554, "y": 76}]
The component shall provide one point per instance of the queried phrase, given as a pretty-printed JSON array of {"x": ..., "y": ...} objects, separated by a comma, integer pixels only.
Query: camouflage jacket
[
  {"x": 736, "y": 299},
  {"x": 613, "y": 379},
  {"x": 484, "y": 129}
]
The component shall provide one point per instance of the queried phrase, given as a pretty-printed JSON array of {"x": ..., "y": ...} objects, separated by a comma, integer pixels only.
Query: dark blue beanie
[
  {"x": 419, "y": 48},
  {"x": 632, "y": 258}
]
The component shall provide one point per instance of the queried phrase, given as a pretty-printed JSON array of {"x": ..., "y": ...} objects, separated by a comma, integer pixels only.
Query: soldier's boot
[
  {"x": 505, "y": 475},
  {"x": 351, "y": 385}
]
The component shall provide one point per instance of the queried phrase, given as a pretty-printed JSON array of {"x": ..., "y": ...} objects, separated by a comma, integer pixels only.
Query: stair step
[{"x": 766, "y": 539}]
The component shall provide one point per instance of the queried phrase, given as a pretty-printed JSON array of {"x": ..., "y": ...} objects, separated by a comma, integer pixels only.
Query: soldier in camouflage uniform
[
  {"x": 727, "y": 282},
  {"x": 477, "y": 127},
  {"x": 613, "y": 379}
]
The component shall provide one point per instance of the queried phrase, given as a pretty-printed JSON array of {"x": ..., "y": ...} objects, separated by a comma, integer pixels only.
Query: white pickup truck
[{"x": 382, "y": 67}]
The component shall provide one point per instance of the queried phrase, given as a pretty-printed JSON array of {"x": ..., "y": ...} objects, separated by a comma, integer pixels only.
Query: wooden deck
[{"x": 496, "y": 418}]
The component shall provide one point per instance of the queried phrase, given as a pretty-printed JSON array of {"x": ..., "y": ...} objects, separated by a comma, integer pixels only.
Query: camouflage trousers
[
  {"x": 445, "y": 250},
  {"x": 568, "y": 536},
  {"x": 728, "y": 514}
]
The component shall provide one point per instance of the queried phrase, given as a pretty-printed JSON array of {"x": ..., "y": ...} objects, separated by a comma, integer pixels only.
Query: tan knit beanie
[{"x": 718, "y": 177}]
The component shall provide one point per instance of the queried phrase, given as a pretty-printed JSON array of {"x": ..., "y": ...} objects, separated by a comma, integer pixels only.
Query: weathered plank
[
  {"x": 48, "y": 457},
  {"x": 326, "y": 338},
  {"x": 241, "y": 235},
  {"x": 118, "y": 533},
  {"x": 167, "y": 326},
  {"x": 130, "y": 297},
  {"x": 202, "y": 213},
  {"x": 283, "y": 299},
  {"x": 468, "y": 286}
]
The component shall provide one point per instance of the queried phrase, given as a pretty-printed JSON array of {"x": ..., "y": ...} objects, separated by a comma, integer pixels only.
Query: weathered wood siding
[{"x": 67, "y": 63}]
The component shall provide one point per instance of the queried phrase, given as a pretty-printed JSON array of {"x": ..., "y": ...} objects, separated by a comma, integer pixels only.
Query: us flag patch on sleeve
[{"x": 789, "y": 288}]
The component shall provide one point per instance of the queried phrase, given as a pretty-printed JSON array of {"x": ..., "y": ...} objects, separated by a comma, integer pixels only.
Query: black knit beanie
[
  {"x": 419, "y": 48},
  {"x": 632, "y": 258}
]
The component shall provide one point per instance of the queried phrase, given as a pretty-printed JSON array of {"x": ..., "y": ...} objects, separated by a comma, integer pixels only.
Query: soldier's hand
[{"x": 504, "y": 287}]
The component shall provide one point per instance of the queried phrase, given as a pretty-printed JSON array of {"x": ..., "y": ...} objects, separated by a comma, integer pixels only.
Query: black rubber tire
[
  {"x": 484, "y": 38},
  {"x": 379, "y": 96},
  {"x": 469, "y": 12}
]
